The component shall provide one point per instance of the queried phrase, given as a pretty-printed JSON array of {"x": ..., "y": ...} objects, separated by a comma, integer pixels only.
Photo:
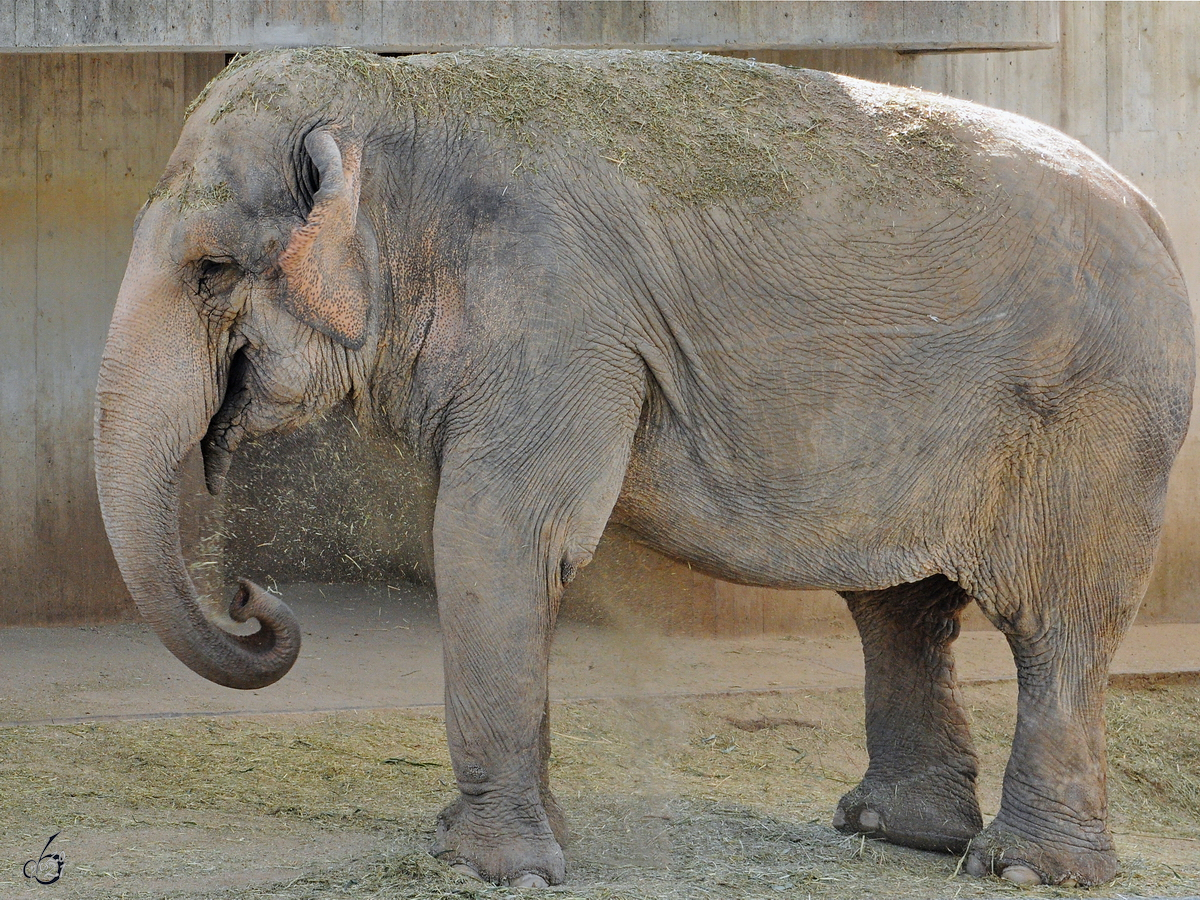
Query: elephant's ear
[{"x": 330, "y": 262}]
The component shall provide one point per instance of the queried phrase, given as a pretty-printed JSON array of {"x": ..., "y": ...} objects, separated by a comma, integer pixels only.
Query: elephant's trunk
[{"x": 159, "y": 386}]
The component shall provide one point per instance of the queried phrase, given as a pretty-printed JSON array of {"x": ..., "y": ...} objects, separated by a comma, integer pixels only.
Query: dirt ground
[{"x": 719, "y": 796}]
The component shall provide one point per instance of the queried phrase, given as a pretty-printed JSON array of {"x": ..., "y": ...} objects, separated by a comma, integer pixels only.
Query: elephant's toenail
[
  {"x": 839, "y": 818},
  {"x": 868, "y": 819},
  {"x": 467, "y": 871},
  {"x": 975, "y": 866},
  {"x": 1022, "y": 875},
  {"x": 529, "y": 880}
]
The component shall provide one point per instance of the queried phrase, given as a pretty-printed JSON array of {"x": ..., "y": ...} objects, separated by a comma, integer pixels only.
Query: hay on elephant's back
[{"x": 700, "y": 128}]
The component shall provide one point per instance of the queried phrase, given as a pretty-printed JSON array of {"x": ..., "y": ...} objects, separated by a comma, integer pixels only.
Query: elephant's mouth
[{"x": 229, "y": 426}]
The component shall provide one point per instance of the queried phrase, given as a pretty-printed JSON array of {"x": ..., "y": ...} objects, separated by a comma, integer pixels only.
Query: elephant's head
[{"x": 248, "y": 306}]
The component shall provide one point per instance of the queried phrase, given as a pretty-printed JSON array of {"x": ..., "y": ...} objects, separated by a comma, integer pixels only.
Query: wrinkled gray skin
[{"x": 915, "y": 406}]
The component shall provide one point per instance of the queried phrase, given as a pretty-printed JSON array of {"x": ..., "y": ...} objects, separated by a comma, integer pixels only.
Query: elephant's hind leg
[
  {"x": 919, "y": 789},
  {"x": 1063, "y": 583},
  {"x": 1051, "y": 827}
]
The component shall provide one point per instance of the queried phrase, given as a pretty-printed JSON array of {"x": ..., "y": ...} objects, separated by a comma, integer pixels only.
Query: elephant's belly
[{"x": 840, "y": 527}]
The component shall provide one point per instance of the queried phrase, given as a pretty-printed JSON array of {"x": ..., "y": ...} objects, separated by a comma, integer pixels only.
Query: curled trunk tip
[{"x": 277, "y": 639}]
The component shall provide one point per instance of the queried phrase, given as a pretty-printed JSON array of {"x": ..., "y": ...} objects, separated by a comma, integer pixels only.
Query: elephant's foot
[
  {"x": 504, "y": 845},
  {"x": 1069, "y": 860},
  {"x": 929, "y": 811}
]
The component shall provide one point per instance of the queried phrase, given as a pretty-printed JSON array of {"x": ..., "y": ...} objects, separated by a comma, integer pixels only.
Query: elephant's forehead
[
  {"x": 191, "y": 188},
  {"x": 213, "y": 167}
]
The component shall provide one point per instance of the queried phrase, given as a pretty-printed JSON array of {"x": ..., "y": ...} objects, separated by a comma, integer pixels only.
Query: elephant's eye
[{"x": 214, "y": 277}]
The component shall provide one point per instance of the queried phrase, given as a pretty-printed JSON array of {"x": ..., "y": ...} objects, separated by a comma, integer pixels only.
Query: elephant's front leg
[
  {"x": 496, "y": 614},
  {"x": 512, "y": 526}
]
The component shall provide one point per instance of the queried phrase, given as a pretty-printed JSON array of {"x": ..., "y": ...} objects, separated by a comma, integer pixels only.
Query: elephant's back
[{"x": 699, "y": 129}]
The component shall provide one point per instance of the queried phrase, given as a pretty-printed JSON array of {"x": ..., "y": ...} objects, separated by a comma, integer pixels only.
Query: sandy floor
[
  {"x": 160, "y": 785},
  {"x": 380, "y": 648}
]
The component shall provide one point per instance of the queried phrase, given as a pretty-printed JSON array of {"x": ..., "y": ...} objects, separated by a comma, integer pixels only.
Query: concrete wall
[
  {"x": 83, "y": 137},
  {"x": 82, "y": 140},
  {"x": 419, "y": 25}
]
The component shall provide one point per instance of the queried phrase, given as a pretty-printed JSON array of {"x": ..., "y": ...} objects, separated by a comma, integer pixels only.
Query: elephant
[{"x": 796, "y": 329}]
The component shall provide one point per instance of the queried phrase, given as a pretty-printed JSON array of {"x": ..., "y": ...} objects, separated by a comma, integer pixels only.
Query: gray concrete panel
[
  {"x": 18, "y": 330},
  {"x": 897, "y": 26},
  {"x": 229, "y": 25},
  {"x": 293, "y": 23},
  {"x": 1083, "y": 81},
  {"x": 76, "y": 576},
  {"x": 84, "y": 137},
  {"x": 24, "y": 21}
]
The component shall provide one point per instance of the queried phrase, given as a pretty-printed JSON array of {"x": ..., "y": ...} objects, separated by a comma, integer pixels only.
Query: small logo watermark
[{"x": 48, "y": 867}]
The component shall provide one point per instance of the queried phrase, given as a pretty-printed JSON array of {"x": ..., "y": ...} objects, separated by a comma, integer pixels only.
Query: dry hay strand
[
  {"x": 331, "y": 768},
  {"x": 702, "y": 129},
  {"x": 667, "y": 799},
  {"x": 1154, "y": 760},
  {"x": 190, "y": 196}
]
